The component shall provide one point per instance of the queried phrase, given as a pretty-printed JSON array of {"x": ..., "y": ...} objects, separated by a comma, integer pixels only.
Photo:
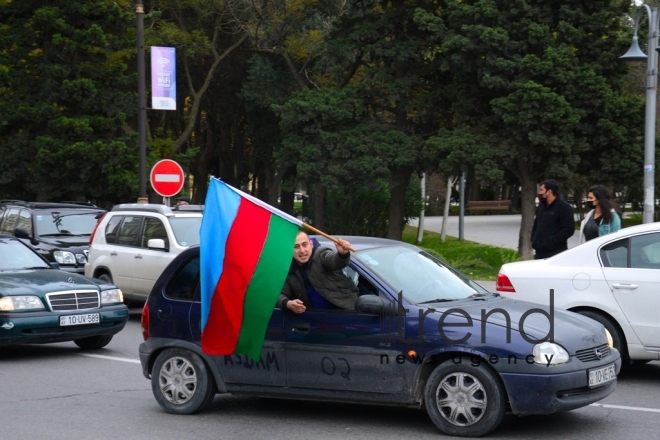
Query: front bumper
[
  {"x": 44, "y": 327},
  {"x": 80, "y": 269},
  {"x": 549, "y": 393}
]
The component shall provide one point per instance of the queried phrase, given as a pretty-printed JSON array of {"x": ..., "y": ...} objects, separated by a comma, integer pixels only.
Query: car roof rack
[
  {"x": 74, "y": 202},
  {"x": 15, "y": 202},
  {"x": 145, "y": 207},
  {"x": 191, "y": 208}
]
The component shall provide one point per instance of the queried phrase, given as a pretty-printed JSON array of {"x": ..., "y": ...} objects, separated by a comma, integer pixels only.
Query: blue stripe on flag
[{"x": 220, "y": 211}]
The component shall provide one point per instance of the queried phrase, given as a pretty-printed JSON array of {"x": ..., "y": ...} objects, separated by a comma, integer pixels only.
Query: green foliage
[
  {"x": 477, "y": 261},
  {"x": 65, "y": 102}
]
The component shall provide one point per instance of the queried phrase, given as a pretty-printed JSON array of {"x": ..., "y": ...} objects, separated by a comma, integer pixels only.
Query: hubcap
[
  {"x": 178, "y": 380},
  {"x": 461, "y": 399}
]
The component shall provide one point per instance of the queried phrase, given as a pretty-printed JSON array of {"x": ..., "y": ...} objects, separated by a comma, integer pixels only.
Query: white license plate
[
  {"x": 90, "y": 318},
  {"x": 601, "y": 375}
]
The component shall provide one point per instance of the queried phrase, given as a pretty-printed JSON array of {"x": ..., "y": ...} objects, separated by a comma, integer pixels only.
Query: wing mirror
[
  {"x": 157, "y": 243},
  {"x": 375, "y": 305}
]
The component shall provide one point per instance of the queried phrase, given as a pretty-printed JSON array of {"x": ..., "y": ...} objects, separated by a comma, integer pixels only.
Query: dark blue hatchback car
[{"x": 423, "y": 335}]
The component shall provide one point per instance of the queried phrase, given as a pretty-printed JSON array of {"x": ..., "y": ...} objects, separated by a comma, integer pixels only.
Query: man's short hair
[
  {"x": 183, "y": 199},
  {"x": 553, "y": 185}
]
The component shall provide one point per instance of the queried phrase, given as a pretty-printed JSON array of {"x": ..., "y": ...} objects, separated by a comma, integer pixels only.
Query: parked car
[
  {"x": 40, "y": 304},
  {"x": 614, "y": 279},
  {"x": 58, "y": 231},
  {"x": 133, "y": 243},
  {"x": 419, "y": 338}
]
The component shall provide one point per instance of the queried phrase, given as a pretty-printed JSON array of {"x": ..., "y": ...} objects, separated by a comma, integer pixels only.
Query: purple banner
[{"x": 163, "y": 78}]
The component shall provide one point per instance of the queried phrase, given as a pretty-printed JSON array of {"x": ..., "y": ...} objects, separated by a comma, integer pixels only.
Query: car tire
[
  {"x": 105, "y": 277},
  {"x": 617, "y": 337},
  {"x": 93, "y": 342},
  {"x": 463, "y": 400},
  {"x": 181, "y": 382}
]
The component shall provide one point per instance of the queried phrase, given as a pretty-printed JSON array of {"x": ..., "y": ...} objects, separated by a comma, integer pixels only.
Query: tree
[
  {"x": 65, "y": 99},
  {"x": 539, "y": 82}
]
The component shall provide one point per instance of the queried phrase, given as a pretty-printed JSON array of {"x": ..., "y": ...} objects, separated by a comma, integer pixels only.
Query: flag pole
[{"x": 316, "y": 231}]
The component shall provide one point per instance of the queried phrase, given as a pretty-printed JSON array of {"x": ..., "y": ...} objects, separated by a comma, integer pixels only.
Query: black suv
[{"x": 58, "y": 231}]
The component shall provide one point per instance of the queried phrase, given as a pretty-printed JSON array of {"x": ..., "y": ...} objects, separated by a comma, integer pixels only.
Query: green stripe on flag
[{"x": 266, "y": 285}]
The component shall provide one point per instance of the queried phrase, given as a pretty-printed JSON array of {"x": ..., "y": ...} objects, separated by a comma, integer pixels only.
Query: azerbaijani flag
[{"x": 246, "y": 248}]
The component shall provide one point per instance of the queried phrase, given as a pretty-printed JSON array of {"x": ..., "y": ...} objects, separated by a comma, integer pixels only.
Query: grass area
[{"x": 476, "y": 260}]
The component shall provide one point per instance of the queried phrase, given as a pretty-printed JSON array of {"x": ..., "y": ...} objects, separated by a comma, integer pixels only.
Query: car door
[
  {"x": 238, "y": 369},
  {"x": 346, "y": 350},
  {"x": 632, "y": 270},
  {"x": 150, "y": 263},
  {"x": 123, "y": 255}
]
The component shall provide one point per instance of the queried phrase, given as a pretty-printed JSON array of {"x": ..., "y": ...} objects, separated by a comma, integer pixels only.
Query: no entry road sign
[{"x": 167, "y": 178}]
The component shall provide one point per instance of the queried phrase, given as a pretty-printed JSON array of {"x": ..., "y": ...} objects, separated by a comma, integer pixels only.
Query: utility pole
[{"x": 142, "y": 103}]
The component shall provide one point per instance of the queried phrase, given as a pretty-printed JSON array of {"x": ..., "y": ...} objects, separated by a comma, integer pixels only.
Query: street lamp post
[
  {"x": 142, "y": 103},
  {"x": 635, "y": 55}
]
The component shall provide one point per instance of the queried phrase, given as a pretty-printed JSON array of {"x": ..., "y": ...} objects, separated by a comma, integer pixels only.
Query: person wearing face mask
[
  {"x": 553, "y": 224},
  {"x": 602, "y": 218}
]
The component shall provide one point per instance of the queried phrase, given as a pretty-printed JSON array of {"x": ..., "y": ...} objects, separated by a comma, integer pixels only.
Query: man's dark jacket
[
  {"x": 324, "y": 270},
  {"x": 554, "y": 224}
]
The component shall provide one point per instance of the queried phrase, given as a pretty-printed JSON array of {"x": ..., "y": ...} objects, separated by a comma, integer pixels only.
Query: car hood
[
  {"x": 66, "y": 241},
  {"x": 42, "y": 281},
  {"x": 571, "y": 331}
]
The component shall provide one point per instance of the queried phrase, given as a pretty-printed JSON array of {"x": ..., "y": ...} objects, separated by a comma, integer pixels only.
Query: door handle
[
  {"x": 113, "y": 254},
  {"x": 138, "y": 256},
  {"x": 625, "y": 286},
  {"x": 300, "y": 328}
]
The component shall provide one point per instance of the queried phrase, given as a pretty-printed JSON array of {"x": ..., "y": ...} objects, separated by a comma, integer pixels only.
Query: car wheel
[
  {"x": 93, "y": 342},
  {"x": 617, "y": 337},
  {"x": 181, "y": 382},
  {"x": 105, "y": 277},
  {"x": 464, "y": 400}
]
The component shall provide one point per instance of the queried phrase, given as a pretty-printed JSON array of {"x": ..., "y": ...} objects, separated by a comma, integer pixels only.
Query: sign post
[{"x": 167, "y": 179}]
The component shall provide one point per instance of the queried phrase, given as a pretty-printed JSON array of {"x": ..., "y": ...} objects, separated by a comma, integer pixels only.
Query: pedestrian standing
[
  {"x": 554, "y": 223},
  {"x": 602, "y": 219}
]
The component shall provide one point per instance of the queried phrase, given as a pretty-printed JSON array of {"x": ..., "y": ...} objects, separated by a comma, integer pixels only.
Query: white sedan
[{"x": 614, "y": 279}]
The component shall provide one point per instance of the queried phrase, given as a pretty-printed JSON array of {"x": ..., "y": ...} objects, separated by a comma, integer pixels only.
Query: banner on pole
[{"x": 163, "y": 78}]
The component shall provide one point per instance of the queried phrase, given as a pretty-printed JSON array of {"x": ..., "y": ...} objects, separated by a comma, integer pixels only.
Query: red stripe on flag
[{"x": 244, "y": 245}]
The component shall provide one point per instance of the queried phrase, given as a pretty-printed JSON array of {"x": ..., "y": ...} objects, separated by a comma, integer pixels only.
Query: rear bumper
[
  {"x": 546, "y": 394},
  {"x": 44, "y": 327}
]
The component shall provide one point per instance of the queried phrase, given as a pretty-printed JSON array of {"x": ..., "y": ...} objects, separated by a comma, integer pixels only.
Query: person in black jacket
[{"x": 554, "y": 223}]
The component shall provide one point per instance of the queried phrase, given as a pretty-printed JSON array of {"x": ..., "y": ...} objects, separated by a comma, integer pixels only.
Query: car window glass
[
  {"x": 14, "y": 255},
  {"x": 184, "y": 282},
  {"x": 186, "y": 230},
  {"x": 615, "y": 254},
  {"x": 65, "y": 222},
  {"x": 25, "y": 221},
  {"x": 9, "y": 224},
  {"x": 129, "y": 231},
  {"x": 153, "y": 228},
  {"x": 112, "y": 228},
  {"x": 645, "y": 251}
]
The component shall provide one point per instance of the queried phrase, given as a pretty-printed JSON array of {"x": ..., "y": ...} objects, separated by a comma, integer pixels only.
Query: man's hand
[
  {"x": 343, "y": 247},
  {"x": 296, "y": 306}
]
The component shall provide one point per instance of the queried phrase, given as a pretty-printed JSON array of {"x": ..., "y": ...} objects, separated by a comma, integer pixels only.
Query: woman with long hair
[{"x": 602, "y": 219}]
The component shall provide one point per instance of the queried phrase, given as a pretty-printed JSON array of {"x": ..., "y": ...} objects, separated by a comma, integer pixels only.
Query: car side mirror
[
  {"x": 374, "y": 305},
  {"x": 156, "y": 243},
  {"x": 21, "y": 233}
]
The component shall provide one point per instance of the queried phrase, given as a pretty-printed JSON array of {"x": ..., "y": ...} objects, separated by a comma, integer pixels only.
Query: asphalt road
[{"x": 60, "y": 392}]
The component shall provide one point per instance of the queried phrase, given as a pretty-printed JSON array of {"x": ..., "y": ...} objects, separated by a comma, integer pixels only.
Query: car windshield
[
  {"x": 65, "y": 222},
  {"x": 186, "y": 230},
  {"x": 420, "y": 276},
  {"x": 14, "y": 255}
]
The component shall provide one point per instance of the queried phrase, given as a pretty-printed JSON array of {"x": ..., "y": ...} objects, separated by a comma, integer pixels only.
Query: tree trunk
[
  {"x": 451, "y": 181},
  {"x": 398, "y": 187},
  {"x": 319, "y": 207},
  {"x": 273, "y": 181},
  {"x": 528, "y": 195}
]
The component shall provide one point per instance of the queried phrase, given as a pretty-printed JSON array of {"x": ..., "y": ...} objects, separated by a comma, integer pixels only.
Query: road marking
[
  {"x": 111, "y": 358},
  {"x": 632, "y": 408},
  {"x": 167, "y": 178}
]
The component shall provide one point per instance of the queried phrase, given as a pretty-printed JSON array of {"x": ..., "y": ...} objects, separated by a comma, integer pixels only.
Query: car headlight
[
  {"x": 27, "y": 302},
  {"x": 548, "y": 353},
  {"x": 111, "y": 296},
  {"x": 81, "y": 258},
  {"x": 64, "y": 257},
  {"x": 610, "y": 341}
]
